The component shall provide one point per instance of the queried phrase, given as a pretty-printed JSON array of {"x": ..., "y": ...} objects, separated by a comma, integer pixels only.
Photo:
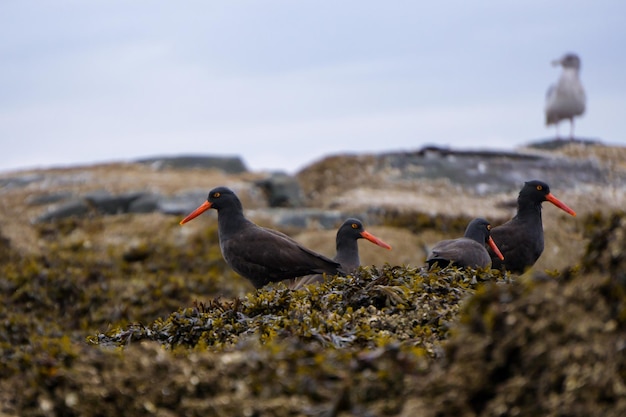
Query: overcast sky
[{"x": 283, "y": 83}]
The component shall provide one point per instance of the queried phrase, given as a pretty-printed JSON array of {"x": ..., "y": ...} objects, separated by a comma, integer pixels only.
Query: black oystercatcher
[
  {"x": 566, "y": 99},
  {"x": 521, "y": 238},
  {"x": 468, "y": 251},
  {"x": 347, "y": 250},
  {"x": 259, "y": 254}
]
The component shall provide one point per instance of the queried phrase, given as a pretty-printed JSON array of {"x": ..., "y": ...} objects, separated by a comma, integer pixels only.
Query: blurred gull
[{"x": 566, "y": 99}]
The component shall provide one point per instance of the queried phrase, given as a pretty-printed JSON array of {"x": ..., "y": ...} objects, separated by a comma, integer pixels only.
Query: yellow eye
[
  {"x": 216, "y": 195},
  {"x": 355, "y": 226},
  {"x": 539, "y": 188},
  {"x": 488, "y": 227}
]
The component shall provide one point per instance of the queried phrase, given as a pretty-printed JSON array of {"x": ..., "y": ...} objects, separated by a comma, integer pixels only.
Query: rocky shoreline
[
  {"x": 111, "y": 307},
  {"x": 477, "y": 173}
]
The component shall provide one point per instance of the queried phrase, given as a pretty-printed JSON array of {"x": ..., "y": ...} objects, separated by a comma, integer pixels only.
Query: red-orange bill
[
  {"x": 560, "y": 204},
  {"x": 494, "y": 248},
  {"x": 374, "y": 239},
  {"x": 204, "y": 207}
]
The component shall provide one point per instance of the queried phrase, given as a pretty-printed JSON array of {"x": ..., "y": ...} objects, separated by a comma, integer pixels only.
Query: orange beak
[
  {"x": 204, "y": 207},
  {"x": 374, "y": 239},
  {"x": 560, "y": 204},
  {"x": 494, "y": 248}
]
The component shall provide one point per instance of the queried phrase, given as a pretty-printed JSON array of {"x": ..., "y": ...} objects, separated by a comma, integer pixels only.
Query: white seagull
[{"x": 565, "y": 99}]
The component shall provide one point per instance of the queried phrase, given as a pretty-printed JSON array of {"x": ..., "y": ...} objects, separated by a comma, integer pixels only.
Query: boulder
[
  {"x": 282, "y": 190},
  {"x": 228, "y": 164}
]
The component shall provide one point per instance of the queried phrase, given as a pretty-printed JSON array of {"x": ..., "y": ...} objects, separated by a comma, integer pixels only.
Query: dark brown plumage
[
  {"x": 521, "y": 239},
  {"x": 259, "y": 254},
  {"x": 468, "y": 251}
]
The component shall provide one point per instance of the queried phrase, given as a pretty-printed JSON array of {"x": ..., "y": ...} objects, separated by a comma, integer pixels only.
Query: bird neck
[
  {"x": 569, "y": 74},
  {"x": 230, "y": 222},
  {"x": 528, "y": 210},
  {"x": 476, "y": 235},
  {"x": 348, "y": 254}
]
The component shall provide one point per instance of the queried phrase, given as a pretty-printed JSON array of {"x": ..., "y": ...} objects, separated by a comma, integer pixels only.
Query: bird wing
[
  {"x": 274, "y": 255},
  {"x": 565, "y": 99},
  {"x": 440, "y": 251},
  {"x": 463, "y": 252},
  {"x": 552, "y": 115},
  {"x": 550, "y": 91},
  {"x": 520, "y": 247}
]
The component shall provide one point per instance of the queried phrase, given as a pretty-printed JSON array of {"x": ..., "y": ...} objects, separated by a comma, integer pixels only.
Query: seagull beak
[
  {"x": 560, "y": 204},
  {"x": 204, "y": 207},
  {"x": 557, "y": 62},
  {"x": 374, "y": 239},
  {"x": 494, "y": 248}
]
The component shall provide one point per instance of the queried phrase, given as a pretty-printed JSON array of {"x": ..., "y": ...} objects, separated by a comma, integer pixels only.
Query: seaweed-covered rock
[
  {"x": 352, "y": 345},
  {"x": 370, "y": 309},
  {"x": 607, "y": 242},
  {"x": 6, "y": 251},
  {"x": 550, "y": 347},
  {"x": 134, "y": 315}
]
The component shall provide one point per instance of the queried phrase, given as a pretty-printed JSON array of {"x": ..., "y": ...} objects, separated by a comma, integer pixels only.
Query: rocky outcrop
[
  {"x": 105, "y": 203},
  {"x": 282, "y": 190},
  {"x": 337, "y": 183},
  {"x": 477, "y": 172},
  {"x": 228, "y": 164}
]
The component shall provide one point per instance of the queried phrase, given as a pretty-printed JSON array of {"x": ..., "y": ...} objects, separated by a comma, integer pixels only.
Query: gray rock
[
  {"x": 181, "y": 204},
  {"x": 97, "y": 202},
  {"x": 301, "y": 218},
  {"x": 146, "y": 203},
  {"x": 105, "y": 203},
  {"x": 485, "y": 172},
  {"x": 73, "y": 208},
  {"x": 48, "y": 198},
  {"x": 282, "y": 190},
  {"x": 20, "y": 180},
  {"x": 228, "y": 164},
  {"x": 554, "y": 144}
]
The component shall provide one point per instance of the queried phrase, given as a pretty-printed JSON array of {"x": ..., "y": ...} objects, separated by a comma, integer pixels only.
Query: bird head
[
  {"x": 538, "y": 192},
  {"x": 217, "y": 199},
  {"x": 568, "y": 60}
]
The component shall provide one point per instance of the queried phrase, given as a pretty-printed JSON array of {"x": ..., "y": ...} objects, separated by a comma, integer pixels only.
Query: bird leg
[
  {"x": 558, "y": 137},
  {"x": 571, "y": 128}
]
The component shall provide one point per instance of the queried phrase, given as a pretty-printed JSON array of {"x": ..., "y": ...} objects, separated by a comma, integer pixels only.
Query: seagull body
[{"x": 566, "y": 99}]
